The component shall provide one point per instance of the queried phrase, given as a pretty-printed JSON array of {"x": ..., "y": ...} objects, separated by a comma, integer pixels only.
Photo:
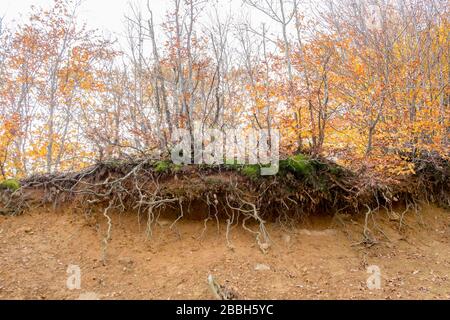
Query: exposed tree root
[{"x": 228, "y": 195}]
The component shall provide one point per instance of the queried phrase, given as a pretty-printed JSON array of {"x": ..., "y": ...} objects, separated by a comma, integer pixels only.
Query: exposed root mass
[{"x": 230, "y": 193}]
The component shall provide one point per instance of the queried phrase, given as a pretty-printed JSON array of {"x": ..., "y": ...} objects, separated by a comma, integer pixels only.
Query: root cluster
[{"x": 223, "y": 193}]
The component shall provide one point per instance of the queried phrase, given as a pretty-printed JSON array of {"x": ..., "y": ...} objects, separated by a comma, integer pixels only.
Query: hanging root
[
  {"x": 107, "y": 238},
  {"x": 181, "y": 216},
  {"x": 262, "y": 237},
  {"x": 368, "y": 238}
]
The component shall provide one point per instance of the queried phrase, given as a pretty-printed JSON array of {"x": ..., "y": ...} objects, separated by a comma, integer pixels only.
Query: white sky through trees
[
  {"x": 323, "y": 67},
  {"x": 109, "y": 15}
]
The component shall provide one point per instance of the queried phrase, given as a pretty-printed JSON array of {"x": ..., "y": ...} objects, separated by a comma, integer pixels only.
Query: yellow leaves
[
  {"x": 9, "y": 130},
  {"x": 349, "y": 88},
  {"x": 87, "y": 83},
  {"x": 404, "y": 169},
  {"x": 359, "y": 69},
  {"x": 260, "y": 104}
]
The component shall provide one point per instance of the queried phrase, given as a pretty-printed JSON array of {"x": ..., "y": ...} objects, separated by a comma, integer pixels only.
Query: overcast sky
[
  {"x": 109, "y": 15},
  {"x": 102, "y": 14}
]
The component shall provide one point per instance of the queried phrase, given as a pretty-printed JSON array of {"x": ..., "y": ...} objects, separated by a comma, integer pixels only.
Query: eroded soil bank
[{"x": 319, "y": 259}]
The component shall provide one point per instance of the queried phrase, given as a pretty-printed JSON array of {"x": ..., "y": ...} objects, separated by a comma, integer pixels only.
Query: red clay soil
[{"x": 316, "y": 260}]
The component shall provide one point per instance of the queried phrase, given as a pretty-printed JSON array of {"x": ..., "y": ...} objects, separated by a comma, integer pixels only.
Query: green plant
[
  {"x": 177, "y": 168},
  {"x": 231, "y": 164},
  {"x": 299, "y": 164},
  {"x": 335, "y": 170},
  {"x": 251, "y": 171},
  {"x": 10, "y": 184},
  {"x": 162, "y": 166}
]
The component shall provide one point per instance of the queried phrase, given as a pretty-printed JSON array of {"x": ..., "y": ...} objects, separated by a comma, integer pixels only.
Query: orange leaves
[
  {"x": 393, "y": 166},
  {"x": 341, "y": 90},
  {"x": 358, "y": 69},
  {"x": 52, "y": 71},
  {"x": 9, "y": 130},
  {"x": 384, "y": 95}
]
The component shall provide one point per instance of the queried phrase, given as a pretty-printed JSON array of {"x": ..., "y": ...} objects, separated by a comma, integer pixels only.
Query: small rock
[
  {"x": 127, "y": 262},
  {"x": 89, "y": 296},
  {"x": 287, "y": 238},
  {"x": 27, "y": 230},
  {"x": 262, "y": 267},
  {"x": 164, "y": 223},
  {"x": 314, "y": 233}
]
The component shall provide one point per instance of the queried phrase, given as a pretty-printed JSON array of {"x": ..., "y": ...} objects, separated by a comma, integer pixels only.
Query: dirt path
[{"x": 313, "y": 261}]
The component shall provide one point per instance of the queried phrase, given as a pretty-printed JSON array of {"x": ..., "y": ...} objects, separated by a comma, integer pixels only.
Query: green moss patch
[
  {"x": 10, "y": 184},
  {"x": 298, "y": 164},
  {"x": 162, "y": 166},
  {"x": 251, "y": 171}
]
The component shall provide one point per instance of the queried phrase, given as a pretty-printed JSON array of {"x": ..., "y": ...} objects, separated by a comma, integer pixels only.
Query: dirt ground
[{"x": 319, "y": 259}]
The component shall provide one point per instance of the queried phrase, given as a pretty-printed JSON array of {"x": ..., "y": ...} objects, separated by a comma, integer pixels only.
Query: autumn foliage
[{"x": 368, "y": 91}]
